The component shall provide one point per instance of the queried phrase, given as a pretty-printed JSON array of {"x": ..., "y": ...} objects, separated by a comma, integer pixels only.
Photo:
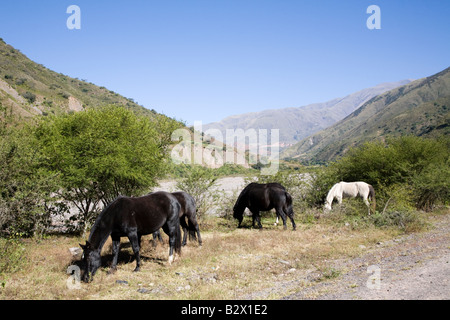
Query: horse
[
  {"x": 132, "y": 217},
  {"x": 188, "y": 211},
  {"x": 264, "y": 197},
  {"x": 351, "y": 190}
]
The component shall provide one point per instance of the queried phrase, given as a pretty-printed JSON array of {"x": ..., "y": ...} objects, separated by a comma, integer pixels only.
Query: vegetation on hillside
[
  {"x": 419, "y": 108},
  {"x": 34, "y": 89}
]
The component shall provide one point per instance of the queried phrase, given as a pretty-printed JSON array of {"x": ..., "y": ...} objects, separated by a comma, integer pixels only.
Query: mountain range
[
  {"x": 296, "y": 123},
  {"x": 317, "y": 132},
  {"x": 419, "y": 108}
]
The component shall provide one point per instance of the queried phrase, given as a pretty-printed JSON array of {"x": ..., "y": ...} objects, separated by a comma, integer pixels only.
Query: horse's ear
[{"x": 86, "y": 246}]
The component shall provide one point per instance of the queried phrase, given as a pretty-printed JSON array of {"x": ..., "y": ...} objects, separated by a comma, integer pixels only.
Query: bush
[
  {"x": 31, "y": 97},
  {"x": 198, "y": 182},
  {"x": 417, "y": 162},
  {"x": 12, "y": 257},
  {"x": 407, "y": 221},
  {"x": 432, "y": 186},
  {"x": 24, "y": 188}
]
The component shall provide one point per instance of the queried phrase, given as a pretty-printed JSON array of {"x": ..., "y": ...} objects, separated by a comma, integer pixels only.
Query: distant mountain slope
[
  {"x": 420, "y": 108},
  {"x": 28, "y": 88},
  {"x": 298, "y": 123}
]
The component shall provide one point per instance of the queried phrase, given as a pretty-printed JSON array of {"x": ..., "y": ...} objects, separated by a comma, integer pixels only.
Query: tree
[
  {"x": 24, "y": 188},
  {"x": 99, "y": 154},
  {"x": 198, "y": 181}
]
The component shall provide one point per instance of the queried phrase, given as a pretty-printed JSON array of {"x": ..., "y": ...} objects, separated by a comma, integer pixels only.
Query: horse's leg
[
  {"x": 276, "y": 222},
  {"x": 280, "y": 213},
  {"x": 115, "y": 253},
  {"x": 291, "y": 217},
  {"x": 197, "y": 229},
  {"x": 135, "y": 241},
  {"x": 193, "y": 222},
  {"x": 185, "y": 229},
  {"x": 367, "y": 204},
  {"x": 157, "y": 234},
  {"x": 170, "y": 231},
  {"x": 256, "y": 217},
  {"x": 240, "y": 221},
  {"x": 339, "y": 200}
]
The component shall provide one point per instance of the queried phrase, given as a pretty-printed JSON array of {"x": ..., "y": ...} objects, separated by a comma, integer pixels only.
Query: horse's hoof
[{"x": 137, "y": 269}]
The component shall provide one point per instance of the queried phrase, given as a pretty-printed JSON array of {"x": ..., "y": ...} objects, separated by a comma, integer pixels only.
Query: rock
[
  {"x": 144, "y": 290},
  {"x": 76, "y": 251},
  {"x": 122, "y": 282},
  {"x": 187, "y": 287}
]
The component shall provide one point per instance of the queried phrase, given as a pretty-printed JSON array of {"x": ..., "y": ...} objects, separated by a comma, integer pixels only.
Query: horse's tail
[
  {"x": 290, "y": 211},
  {"x": 192, "y": 226},
  {"x": 372, "y": 197},
  {"x": 178, "y": 238}
]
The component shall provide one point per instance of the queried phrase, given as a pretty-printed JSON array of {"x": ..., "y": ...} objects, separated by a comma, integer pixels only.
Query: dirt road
[{"x": 415, "y": 266}]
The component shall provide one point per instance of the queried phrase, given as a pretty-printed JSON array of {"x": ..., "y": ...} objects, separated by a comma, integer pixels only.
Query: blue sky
[{"x": 205, "y": 60}]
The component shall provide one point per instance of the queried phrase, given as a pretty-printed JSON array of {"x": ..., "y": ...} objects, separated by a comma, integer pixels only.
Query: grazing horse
[
  {"x": 188, "y": 211},
  {"x": 351, "y": 190},
  {"x": 264, "y": 197},
  {"x": 132, "y": 217}
]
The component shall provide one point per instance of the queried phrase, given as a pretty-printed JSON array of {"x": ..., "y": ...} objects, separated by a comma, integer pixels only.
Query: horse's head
[
  {"x": 238, "y": 213},
  {"x": 327, "y": 206},
  {"x": 90, "y": 262}
]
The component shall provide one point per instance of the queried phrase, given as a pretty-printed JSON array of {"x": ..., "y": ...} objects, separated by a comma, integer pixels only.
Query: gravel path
[{"x": 411, "y": 267}]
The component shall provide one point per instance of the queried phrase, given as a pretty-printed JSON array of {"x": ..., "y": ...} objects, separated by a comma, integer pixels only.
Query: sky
[{"x": 204, "y": 60}]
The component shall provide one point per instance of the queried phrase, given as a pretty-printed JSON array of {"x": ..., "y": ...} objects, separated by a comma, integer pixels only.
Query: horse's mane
[
  {"x": 100, "y": 217},
  {"x": 242, "y": 194}
]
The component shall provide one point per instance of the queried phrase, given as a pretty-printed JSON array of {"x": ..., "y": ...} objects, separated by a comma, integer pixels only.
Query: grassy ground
[{"x": 232, "y": 263}]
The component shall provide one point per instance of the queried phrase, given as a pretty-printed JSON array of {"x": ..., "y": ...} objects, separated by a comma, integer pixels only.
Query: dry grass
[{"x": 231, "y": 264}]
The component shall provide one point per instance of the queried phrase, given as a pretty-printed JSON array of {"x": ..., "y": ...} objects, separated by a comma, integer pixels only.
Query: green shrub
[
  {"x": 198, "y": 181},
  {"x": 422, "y": 164},
  {"x": 12, "y": 258},
  {"x": 31, "y": 97}
]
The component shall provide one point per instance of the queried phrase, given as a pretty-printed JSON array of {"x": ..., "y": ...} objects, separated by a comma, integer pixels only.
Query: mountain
[
  {"x": 28, "y": 89},
  {"x": 420, "y": 108},
  {"x": 298, "y": 123}
]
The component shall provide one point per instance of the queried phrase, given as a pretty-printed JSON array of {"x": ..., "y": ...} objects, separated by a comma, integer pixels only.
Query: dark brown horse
[
  {"x": 264, "y": 197},
  {"x": 188, "y": 211},
  {"x": 132, "y": 217}
]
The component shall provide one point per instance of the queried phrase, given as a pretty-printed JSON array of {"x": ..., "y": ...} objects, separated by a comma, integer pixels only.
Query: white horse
[{"x": 351, "y": 190}]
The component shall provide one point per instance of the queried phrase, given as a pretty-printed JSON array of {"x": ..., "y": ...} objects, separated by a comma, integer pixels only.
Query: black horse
[
  {"x": 188, "y": 211},
  {"x": 132, "y": 217},
  {"x": 264, "y": 197}
]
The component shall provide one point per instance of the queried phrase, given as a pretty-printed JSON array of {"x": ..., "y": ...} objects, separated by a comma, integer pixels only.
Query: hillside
[
  {"x": 28, "y": 88},
  {"x": 420, "y": 108},
  {"x": 298, "y": 123}
]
